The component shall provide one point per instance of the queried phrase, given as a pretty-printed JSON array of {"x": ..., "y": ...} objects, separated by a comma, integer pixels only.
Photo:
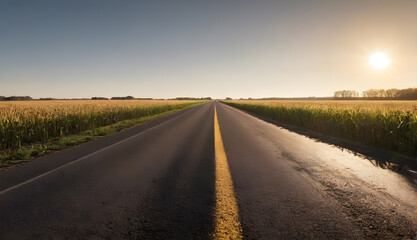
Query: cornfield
[
  {"x": 386, "y": 124},
  {"x": 24, "y": 123}
]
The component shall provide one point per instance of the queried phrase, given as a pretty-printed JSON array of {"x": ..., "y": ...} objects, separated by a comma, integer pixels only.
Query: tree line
[
  {"x": 192, "y": 98},
  {"x": 27, "y": 98},
  {"x": 15, "y": 98},
  {"x": 392, "y": 93}
]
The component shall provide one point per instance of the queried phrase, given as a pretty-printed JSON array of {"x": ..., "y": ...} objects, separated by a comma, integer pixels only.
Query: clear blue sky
[{"x": 221, "y": 48}]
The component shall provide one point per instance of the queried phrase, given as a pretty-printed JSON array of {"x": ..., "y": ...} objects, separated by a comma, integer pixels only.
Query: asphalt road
[{"x": 157, "y": 181}]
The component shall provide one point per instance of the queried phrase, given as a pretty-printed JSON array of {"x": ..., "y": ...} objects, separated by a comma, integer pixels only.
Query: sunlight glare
[{"x": 379, "y": 60}]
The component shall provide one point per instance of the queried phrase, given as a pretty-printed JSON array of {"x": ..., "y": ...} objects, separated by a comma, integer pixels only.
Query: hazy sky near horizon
[{"x": 214, "y": 48}]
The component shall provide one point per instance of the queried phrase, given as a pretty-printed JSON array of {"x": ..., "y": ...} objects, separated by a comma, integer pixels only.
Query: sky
[{"x": 217, "y": 48}]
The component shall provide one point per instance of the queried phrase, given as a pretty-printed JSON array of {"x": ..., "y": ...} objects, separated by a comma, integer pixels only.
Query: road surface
[{"x": 174, "y": 178}]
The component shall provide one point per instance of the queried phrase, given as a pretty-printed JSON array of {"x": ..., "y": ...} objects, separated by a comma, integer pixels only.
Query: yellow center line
[{"x": 227, "y": 214}]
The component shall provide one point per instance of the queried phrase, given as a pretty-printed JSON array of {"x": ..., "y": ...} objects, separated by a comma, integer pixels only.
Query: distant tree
[
  {"x": 229, "y": 98},
  {"x": 192, "y": 98},
  {"x": 99, "y": 98},
  {"x": 355, "y": 93},
  {"x": 371, "y": 93},
  {"x": 409, "y": 93},
  {"x": 47, "y": 99},
  {"x": 381, "y": 93},
  {"x": 18, "y": 98},
  {"x": 391, "y": 93},
  {"x": 346, "y": 94},
  {"x": 123, "y": 98}
]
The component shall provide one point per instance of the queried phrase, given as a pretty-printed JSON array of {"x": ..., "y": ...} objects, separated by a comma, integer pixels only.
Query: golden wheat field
[{"x": 27, "y": 122}]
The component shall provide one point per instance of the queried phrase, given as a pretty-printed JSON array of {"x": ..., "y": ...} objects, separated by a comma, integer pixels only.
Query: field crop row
[
  {"x": 24, "y": 123},
  {"x": 391, "y": 125}
]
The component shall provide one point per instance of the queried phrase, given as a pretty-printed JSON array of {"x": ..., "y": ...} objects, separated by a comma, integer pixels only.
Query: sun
[{"x": 379, "y": 60}]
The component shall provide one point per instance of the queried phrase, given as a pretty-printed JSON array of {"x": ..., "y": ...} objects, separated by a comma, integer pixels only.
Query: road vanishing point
[{"x": 207, "y": 172}]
